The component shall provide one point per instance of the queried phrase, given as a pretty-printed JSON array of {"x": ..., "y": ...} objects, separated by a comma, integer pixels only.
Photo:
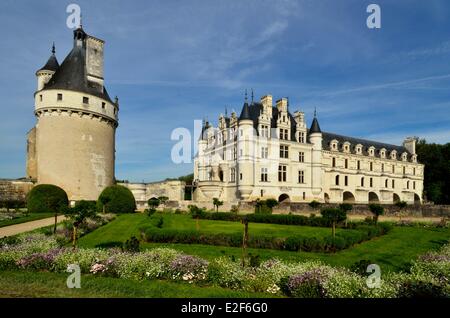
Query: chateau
[
  {"x": 73, "y": 142},
  {"x": 267, "y": 152}
]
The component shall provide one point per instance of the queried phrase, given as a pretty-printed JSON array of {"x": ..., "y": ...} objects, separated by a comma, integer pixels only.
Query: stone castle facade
[{"x": 267, "y": 152}]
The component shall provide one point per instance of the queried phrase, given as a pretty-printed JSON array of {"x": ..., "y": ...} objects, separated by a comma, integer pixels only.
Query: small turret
[{"x": 45, "y": 73}]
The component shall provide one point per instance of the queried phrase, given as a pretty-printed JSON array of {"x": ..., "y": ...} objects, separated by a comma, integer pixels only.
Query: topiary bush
[
  {"x": 45, "y": 198},
  {"x": 119, "y": 199}
]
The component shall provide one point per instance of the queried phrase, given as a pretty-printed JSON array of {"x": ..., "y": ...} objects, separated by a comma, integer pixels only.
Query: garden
[{"x": 199, "y": 253}]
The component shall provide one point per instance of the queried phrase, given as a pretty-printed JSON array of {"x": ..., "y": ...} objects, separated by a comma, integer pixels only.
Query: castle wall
[
  {"x": 76, "y": 153},
  {"x": 31, "y": 154},
  {"x": 15, "y": 190}
]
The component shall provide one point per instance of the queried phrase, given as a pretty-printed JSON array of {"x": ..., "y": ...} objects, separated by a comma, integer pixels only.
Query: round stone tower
[{"x": 74, "y": 137}]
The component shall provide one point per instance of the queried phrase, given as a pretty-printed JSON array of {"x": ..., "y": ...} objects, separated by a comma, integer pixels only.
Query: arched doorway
[
  {"x": 326, "y": 198},
  {"x": 348, "y": 197},
  {"x": 396, "y": 198},
  {"x": 373, "y": 197},
  {"x": 417, "y": 199},
  {"x": 284, "y": 198}
]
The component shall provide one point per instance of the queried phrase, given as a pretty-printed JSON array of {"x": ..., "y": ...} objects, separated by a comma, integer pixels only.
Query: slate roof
[
  {"x": 71, "y": 75},
  {"x": 328, "y": 137},
  {"x": 51, "y": 65}
]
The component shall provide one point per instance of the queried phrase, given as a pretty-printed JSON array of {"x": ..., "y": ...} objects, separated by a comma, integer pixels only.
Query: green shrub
[
  {"x": 46, "y": 198},
  {"x": 376, "y": 210},
  {"x": 119, "y": 199},
  {"x": 131, "y": 245}
]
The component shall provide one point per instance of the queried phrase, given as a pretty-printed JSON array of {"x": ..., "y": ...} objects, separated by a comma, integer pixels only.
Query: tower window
[
  {"x": 59, "y": 97},
  {"x": 301, "y": 137},
  {"x": 371, "y": 182},
  {"x": 393, "y": 184},
  {"x": 85, "y": 100},
  {"x": 359, "y": 165},
  {"x": 333, "y": 162},
  {"x": 346, "y": 163},
  {"x": 103, "y": 105},
  {"x": 337, "y": 180},
  {"x": 371, "y": 166},
  {"x": 362, "y": 182},
  {"x": 40, "y": 97},
  {"x": 346, "y": 180}
]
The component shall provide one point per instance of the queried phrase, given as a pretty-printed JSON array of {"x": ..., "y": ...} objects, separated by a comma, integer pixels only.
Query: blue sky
[{"x": 171, "y": 62}]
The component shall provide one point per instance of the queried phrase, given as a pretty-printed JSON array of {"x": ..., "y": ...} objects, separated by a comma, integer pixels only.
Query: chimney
[
  {"x": 94, "y": 60},
  {"x": 410, "y": 145}
]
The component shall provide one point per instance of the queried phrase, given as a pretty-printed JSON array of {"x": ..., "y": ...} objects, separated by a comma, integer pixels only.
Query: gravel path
[{"x": 28, "y": 226}]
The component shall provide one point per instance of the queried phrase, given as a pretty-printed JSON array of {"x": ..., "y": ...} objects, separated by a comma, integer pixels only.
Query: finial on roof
[
  {"x": 245, "y": 95},
  {"x": 226, "y": 111},
  {"x": 315, "y": 112},
  {"x": 252, "y": 95},
  {"x": 81, "y": 21},
  {"x": 53, "y": 48}
]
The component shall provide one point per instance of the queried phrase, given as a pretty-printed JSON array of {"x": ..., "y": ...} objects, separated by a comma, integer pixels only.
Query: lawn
[
  {"x": 393, "y": 251},
  {"x": 127, "y": 225},
  {"x": 27, "y": 218},
  {"x": 45, "y": 284}
]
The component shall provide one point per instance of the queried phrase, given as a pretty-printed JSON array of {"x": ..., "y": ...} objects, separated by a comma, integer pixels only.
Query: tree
[
  {"x": 376, "y": 210},
  {"x": 314, "y": 204},
  {"x": 78, "y": 214},
  {"x": 163, "y": 200},
  {"x": 244, "y": 241},
  {"x": 401, "y": 205},
  {"x": 119, "y": 200},
  {"x": 271, "y": 203},
  {"x": 334, "y": 216},
  {"x": 47, "y": 198},
  {"x": 217, "y": 203},
  {"x": 153, "y": 203},
  {"x": 346, "y": 207}
]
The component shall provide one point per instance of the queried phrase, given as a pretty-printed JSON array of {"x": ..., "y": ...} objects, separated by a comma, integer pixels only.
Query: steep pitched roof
[
  {"x": 71, "y": 75},
  {"x": 51, "y": 65}
]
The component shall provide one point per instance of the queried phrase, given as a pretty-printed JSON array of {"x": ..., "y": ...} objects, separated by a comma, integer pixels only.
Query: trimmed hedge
[
  {"x": 342, "y": 240},
  {"x": 46, "y": 198},
  {"x": 283, "y": 219},
  {"x": 116, "y": 199}
]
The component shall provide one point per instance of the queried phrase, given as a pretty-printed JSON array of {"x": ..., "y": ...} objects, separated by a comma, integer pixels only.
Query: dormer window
[
  {"x": 346, "y": 147},
  {"x": 383, "y": 153},
  {"x": 371, "y": 151},
  {"x": 358, "y": 149},
  {"x": 404, "y": 156},
  {"x": 414, "y": 158},
  {"x": 334, "y": 145},
  {"x": 393, "y": 155},
  {"x": 301, "y": 137}
]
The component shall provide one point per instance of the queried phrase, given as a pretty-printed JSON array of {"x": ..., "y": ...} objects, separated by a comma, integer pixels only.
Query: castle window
[
  {"x": 282, "y": 173},
  {"x": 371, "y": 182},
  {"x": 346, "y": 180},
  {"x": 264, "y": 131},
  {"x": 304, "y": 195},
  {"x": 103, "y": 105},
  {"x": 264, "y": 175},
  {"x": 233, "y": 175},
  {"x": 301, "y": 137},
  {"x": 284, "y": 134},
  {"x": 414, "y": 171},
  {"x": 40, "y": 97},
  {"x": 333, "y": 162},
  {"x": 393, "y": 169},
  {"x": 414, "y": 185},
  {"x": 301, "y": 176},
  {"x": 362, "y": 182},
  {"x": 301, "y": 156},
  {"x": 337, "y": 180},
  {"x": 234, "y": 153},
  {"x": 386, "y": 183},
  {"x": 346, "y": 163},
  {"x": 382, "y": 167},
  {"x": 393, "y": 184},
  {"x": 284, "y": 151},
  {"x": 240, "y": 176},
  {"x": 371, "y": 166},
  {"x": 59, "y": 97},
  {"x": 264, "y": 152},
  {"x": 358, "y": 164},
  {"x": 85, "y": 100},
  {"x": 404, "y": 170},
  {"x": 407, "y": 184}
]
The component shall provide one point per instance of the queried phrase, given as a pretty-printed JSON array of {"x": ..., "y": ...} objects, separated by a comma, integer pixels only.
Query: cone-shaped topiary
[
  {"x": 46, "y": 198},
  {"x": 116, "y": 199}
]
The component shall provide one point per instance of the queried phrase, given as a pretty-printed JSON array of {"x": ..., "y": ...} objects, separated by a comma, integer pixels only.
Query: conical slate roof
[
  {"x": 315, "y": 128},
  {"x": 245, "y": 113},
  {"x": 51, "y": 65}
]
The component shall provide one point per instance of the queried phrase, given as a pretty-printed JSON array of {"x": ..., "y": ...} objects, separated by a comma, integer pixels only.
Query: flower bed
[{"x": 429, "y": 275}]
